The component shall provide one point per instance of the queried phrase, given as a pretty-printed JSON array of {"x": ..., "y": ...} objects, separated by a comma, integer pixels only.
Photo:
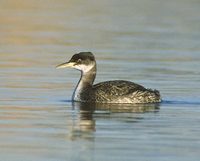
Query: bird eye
[{"x": 79, "y": 61}]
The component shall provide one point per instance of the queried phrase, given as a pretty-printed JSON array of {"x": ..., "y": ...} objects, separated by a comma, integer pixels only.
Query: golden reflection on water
[{"x": 25, "y": 22}]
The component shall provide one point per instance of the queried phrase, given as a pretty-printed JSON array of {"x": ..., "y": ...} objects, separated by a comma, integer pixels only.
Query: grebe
[{"x": 117, "y": 91}]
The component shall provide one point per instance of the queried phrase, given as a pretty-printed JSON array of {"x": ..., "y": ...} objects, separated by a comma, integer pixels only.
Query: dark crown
[{"x": 83, "y": 57}]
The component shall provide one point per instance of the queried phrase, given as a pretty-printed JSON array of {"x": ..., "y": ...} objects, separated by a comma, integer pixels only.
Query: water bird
[{"x": 116, "y": 91}]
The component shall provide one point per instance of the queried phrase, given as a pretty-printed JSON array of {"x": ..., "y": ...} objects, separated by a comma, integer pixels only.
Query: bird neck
[{"x": 85, "y": 83}]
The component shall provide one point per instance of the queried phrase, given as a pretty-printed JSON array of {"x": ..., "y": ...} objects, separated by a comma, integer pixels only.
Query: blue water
[{"x": 153, "y": 43}]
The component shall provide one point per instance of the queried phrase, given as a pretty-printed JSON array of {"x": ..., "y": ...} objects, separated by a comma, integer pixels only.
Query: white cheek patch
[{"x": 84, "y": 68}]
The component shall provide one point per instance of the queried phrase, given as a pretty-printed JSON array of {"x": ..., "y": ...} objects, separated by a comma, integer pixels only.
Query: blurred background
[{"x": 155, "y": 43}]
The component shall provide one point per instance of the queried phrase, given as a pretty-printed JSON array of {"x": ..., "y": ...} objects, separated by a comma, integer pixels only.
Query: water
[{"x": 154, "y": 43}]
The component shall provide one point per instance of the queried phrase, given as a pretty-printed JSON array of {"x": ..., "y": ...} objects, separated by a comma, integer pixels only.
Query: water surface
[{"x": 154, "y": 43}]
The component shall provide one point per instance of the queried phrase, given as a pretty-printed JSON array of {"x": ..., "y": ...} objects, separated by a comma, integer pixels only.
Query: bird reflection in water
[{"x": 84, "y": 124}]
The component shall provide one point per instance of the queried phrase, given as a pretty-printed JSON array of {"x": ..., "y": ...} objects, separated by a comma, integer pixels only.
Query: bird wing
[{"x": 116, "y": 88}]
